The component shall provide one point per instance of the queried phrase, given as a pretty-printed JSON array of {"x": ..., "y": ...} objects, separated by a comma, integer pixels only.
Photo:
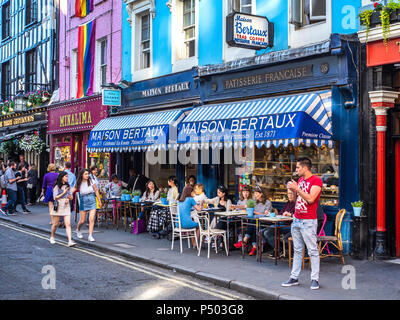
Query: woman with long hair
[
  {"x": 62, "y": 194},
  {"x": 49, "y": 180},
  {"x": 87, "y": 202},
  {"x": 151, "y": 194}
]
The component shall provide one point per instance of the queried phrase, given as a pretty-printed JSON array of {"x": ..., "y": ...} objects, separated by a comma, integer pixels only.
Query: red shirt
[{"x": 303, "y": 210}]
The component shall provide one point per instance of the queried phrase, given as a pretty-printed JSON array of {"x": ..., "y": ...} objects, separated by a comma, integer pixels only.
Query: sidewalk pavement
[{"x": 373, "y": 279}]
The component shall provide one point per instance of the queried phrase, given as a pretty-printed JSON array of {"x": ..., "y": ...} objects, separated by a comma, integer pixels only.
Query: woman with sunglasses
[
  {"x": 221, "y": 201},
  {"x": 263, "y": 206}
]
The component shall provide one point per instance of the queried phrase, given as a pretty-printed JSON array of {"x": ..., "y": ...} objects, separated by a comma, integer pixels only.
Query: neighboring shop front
[
  {"x": 139, "y": 134},
  {"x": 69, "y": 125},
  {"x": 259, "y": 119},
  {"x": 380, "y": 137},
  {"x": 25, "y": 133}
]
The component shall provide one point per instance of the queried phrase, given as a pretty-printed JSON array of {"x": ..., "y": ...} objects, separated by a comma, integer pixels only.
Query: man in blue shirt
[{"x": 11, "y": 189}]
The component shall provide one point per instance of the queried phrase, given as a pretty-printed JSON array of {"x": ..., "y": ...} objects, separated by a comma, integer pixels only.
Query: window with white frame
[
  {"x": 145, "y": 41},
  {"x": 74, "y": 72},
  {"x": 307, "y": 12},
  {"x": 243, "y": 6},
  {"x": 189, "y": 27},
  {"x": 103, "y": 61}
]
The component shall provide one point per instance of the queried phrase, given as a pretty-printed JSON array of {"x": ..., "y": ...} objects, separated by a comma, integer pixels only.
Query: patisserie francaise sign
[{"x": 249, "y": 31}]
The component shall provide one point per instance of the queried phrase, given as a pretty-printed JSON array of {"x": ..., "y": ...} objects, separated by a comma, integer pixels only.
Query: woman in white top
[
  {"x": 173, "y": 192},
  {"x": 93, "y": 176},
  {"x": 151, "y": 194},
  {"x": 87, "y": 202}
]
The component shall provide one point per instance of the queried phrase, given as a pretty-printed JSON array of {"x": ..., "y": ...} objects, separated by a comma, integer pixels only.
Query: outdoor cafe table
[
  {"x": 118, "y": 206},
  {"x": 230, "y": 216},
  {"x": 257, "y": 221}
]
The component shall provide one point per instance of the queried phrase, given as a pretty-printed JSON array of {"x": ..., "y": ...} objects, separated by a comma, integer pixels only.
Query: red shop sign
[
  {"x": 378, "y": 54},
  {"x": 80, "y": 115}
]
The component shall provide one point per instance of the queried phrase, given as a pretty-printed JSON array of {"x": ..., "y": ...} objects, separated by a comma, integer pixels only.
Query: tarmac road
[{"x": 28, "y": 263}]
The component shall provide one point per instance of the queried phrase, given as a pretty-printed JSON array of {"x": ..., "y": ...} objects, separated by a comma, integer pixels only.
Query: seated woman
[
  {"x": 114, "y": 188},
  {"x": 287, "y": 211},
  {"x": 151, "y": 194},
  {"x": 221, "y": 201},
  {"x": 186, "y": 204},
  {"x": 160, "y": 215},
  {"x": 245, "y": 194},
  {"x": 263, "y": 206}
]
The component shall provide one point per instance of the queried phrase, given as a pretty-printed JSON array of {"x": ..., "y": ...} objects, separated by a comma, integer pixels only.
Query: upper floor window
[
  {"x": 189, "y": 27},
  {"x": 307, "y": 12},
  {"x": 30, "y": 70},
  {"x": 31, "y": 11},
  {"x": 6, "y": 20},
  {"x": 103, "y": 62},
  {"x": 243, "y": 6},
  {"x": 6, "y": 81},
  {"x": 74, "y": 73},
  {"x": 145, "y": 53}
]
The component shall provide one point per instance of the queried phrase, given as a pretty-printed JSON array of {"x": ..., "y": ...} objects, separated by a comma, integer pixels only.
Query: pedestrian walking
[
  {"x": 62, "y": 196},
  {"x": 71, "y": 180},
  {"x": 32, "y": 184},
  {"x": 11, "y": 188},
  {"x": 304, "y": 225},
  {"x": 49, "y": 181},
  {"x": 21, "y": 187},
  {"x": 88, "y": 193}
]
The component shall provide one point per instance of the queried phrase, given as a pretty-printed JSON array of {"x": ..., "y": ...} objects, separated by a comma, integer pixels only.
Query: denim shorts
[{"x": 87, "y": 202}]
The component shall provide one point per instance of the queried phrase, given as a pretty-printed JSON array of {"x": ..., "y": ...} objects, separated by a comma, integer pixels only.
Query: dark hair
[
  {"x": 93, "y": 168},
  {"x": 192, "y": 176},
  {"x": 263, "y": 192},
  {"x": 68, "y": 165},
  {"x": 305, "y": 162},
  {"x": 186, "y": 193},
  {"x": 21, "y": 165},
  {"x": 174, "y": 180},
  {"x": 10, "y": 163},
  {"x": 80, "y": 178},
  {"x": 114, "y": 176},
  {"x": 59, "y": 182},
  {"x": 224, "y": 190},
  {"x": 147, "y": 186},
  {"x": 245, "y": 188}
]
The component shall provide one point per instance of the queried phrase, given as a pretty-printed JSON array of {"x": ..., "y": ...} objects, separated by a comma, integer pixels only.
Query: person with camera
[{"x": 61, "y": 208}]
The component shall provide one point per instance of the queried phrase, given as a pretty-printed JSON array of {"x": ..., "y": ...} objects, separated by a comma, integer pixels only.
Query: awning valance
[
  {"x": 302, "y": 118},
  {"x": 148, "y": 131}
]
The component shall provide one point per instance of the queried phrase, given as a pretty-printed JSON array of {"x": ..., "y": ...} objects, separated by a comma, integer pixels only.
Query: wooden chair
[
  {"x": 290, "y": 240},
  {"x": 206, "y": 231},
  {"x": 335, "y": 240},
  {"x": 177, "y": 230}
]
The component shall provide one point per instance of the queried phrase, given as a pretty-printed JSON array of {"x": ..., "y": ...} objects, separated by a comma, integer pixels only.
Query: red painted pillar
[{"x": 381, "y": 101}]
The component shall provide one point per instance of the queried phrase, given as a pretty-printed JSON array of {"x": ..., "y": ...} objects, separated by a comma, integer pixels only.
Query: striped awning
[
  {"x": 295, "y": 119},
  {"x": 140, "y": 132}
]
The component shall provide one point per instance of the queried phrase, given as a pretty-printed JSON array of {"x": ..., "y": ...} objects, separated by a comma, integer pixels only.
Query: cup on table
[{"x": 272, "y": 214}]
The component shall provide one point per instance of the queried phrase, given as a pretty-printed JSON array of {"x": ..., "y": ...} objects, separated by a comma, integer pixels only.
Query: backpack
[{"x": 3, "y": 181}]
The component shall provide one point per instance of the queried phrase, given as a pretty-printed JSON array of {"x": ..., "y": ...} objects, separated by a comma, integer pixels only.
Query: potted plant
[
  {"x": 125, "y": 196},
  {"x": 357, "y": 206},
  {"x": 250, "y": 208},
  {"x": 163, "y": 197},
  {"x": 136, "y": 196}
]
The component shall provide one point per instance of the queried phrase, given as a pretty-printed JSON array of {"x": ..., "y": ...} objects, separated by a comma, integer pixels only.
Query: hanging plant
[
  {"x": 385, "y": 19},
  {"x": 11, "y": 148},
  {"x": 365, "y": 17},
  {"x": 32, "y": 142}
]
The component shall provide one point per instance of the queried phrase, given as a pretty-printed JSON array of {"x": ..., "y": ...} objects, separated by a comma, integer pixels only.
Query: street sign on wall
[
  {"x": 249, "y": 31},
  {"x": 111, "y": 97}
]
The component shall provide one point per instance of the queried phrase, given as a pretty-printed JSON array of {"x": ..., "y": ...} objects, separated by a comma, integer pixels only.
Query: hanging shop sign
[
  {"x": 277, "y": 126},
  {"x": 111, "y": 97},
  {"x": 249, "y": 31},
  {"x": 129, "y": 137}
]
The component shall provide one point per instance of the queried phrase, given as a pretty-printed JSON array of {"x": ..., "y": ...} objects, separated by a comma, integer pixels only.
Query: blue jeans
[
  {"x": 11, "y": 201},
  {"x": 304, "y": 231},
  {"x": 21, "y": 199}
]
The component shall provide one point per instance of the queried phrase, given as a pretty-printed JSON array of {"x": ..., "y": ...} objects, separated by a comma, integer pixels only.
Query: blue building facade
[{"x": 162, "y": 39}]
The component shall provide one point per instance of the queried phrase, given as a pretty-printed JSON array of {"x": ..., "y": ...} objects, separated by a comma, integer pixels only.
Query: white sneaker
[
  {"x": 91, "y": 239},
  {"x": 79, "y": 234},
  {"x": 71, "y": 243},
  {"x": 52, "y": 240}
]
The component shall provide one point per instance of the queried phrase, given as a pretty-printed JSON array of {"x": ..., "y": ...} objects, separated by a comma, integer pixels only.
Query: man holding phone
[{"x": 304, "y": 226}]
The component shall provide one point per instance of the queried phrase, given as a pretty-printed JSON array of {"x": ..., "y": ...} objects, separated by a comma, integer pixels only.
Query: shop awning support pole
[{"x": 381, "y": 101}]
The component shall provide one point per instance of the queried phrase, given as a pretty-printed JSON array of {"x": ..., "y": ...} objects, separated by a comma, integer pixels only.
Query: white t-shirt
[{"x": 85, "y": 189}]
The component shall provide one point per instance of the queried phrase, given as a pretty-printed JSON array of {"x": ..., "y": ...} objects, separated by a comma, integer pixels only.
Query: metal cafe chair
[
  {"x": 209, "y": 233},
  {"x": 177, "y": 230}
]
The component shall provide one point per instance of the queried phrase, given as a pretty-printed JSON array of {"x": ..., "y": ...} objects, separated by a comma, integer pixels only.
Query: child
[
  {"x": 114, "y": 188},
  {"x": 198, "y": 193}
]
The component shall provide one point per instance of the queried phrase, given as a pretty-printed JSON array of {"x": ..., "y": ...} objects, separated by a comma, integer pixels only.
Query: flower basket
[{"x": 32, "y": 143}]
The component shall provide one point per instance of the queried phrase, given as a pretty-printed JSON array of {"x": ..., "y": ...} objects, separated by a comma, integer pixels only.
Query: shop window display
[
  {"x": 271, "y": 168},
  {"x": 61, "y": 156},
  {"x": 102, "y": 161}
]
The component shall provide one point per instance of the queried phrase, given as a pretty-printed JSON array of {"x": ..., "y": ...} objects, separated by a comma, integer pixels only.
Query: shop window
[
  {"x": 67, "y": 140},
  {"x": 160, "y": 172},
  {"x": 102, "y": 161},
  {"x": 306, "y": 12},
  {"x": 272, "y": 168},
  {"x": 61, "y": 156}
]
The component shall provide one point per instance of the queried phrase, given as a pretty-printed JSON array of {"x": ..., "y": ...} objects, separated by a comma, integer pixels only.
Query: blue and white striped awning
[
  {"x": 295, "y": 119},
  {"x": 140, "y": 132}
]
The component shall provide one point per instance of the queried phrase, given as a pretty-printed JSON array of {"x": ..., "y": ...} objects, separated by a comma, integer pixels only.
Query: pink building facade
[{"x": 68, "y": 133}]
